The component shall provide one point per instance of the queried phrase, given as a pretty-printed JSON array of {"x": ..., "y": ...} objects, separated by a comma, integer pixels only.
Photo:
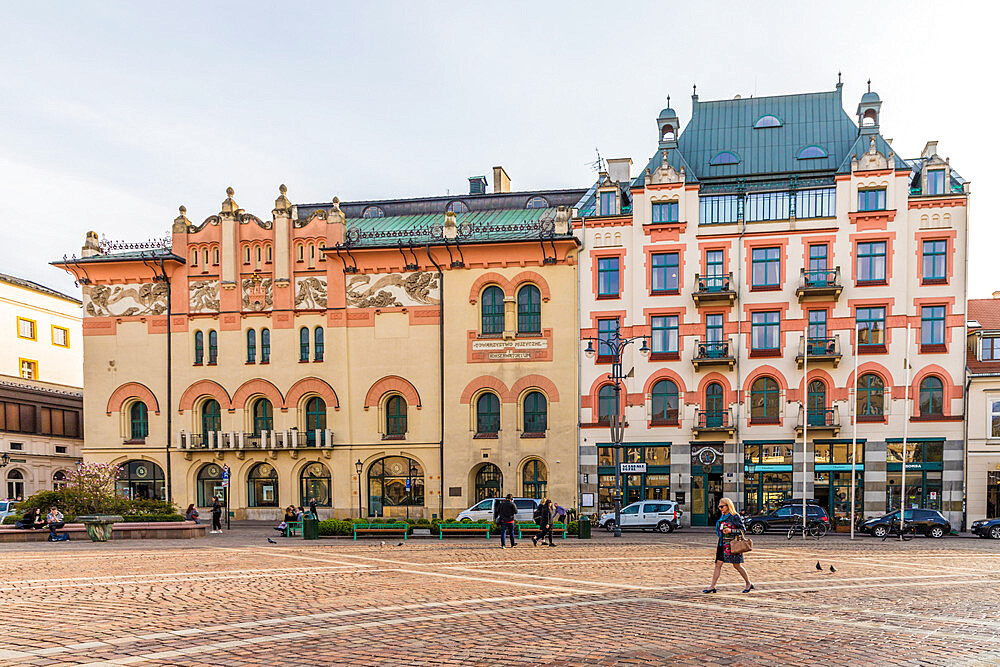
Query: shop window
[
  {"x": 141, "y": 479},
  {"x": 210, "y": 485},
  {"x": 262, "y": 486},
  {"x": 489, "y": 482},
  {"x": 535, "y": 479},
  {"x": 394, "y": 481},
  {"x": 315, "y": 485}
]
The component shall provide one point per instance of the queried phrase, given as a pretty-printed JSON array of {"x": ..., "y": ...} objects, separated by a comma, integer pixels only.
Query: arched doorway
[
  {"x": 314, "y": 484},
  {"x": 394, "y": 481},
  {"x": 489, "y": 482},
  {"x": 141, "y": 479},
  {"x": 262, "y": 485},
  {"x": 210, "y": 485},
  {"x": 535, "y": 479}
]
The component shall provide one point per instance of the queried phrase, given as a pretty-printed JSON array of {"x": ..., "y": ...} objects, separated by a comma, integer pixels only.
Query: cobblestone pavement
[{"x": 237, "y": 600}]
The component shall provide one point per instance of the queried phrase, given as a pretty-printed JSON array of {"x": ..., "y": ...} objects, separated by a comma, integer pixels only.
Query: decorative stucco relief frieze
[
  {"x": 124, "y": 300},
  {"x": 204, "y": 296},
  {"x": 257, "y": 294},
  {"x": 388, "y": 290},
  {"x": 310, "y": 292}
]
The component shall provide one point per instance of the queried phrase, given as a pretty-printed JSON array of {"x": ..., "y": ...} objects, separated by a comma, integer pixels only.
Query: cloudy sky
[{"x": 114, "y": 113}]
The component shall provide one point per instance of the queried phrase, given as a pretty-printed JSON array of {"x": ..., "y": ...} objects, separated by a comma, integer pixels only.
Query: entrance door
[
  {"x": 698, "y": 515},
  {"x": 706, "y": 491}
]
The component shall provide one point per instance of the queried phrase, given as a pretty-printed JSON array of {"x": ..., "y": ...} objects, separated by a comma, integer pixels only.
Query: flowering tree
[{"x": 93, "y": 486}]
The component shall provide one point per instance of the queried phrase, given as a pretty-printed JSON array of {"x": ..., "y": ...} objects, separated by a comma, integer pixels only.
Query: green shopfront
[
  {"x": 832, "y": 460},
  {"x": 652, "y": 484},
  {"x": 706, "y": 482},
  {"x": 767, "y": 474},
  {"x": 924, "y": 465}
]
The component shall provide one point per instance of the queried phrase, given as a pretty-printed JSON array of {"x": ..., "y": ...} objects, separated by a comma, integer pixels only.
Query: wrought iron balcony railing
[{"x": 243, "y": 440}]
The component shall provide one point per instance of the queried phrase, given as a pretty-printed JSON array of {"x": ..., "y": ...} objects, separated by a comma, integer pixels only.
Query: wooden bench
[
  {"x": 460, "y": 528},
  {"x": 293, "y": 528},
  {"x": 534, "y": 527},
  {"x": 381, "y": 528}
]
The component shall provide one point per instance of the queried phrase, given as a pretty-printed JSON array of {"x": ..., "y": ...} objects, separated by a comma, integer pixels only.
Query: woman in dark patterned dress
[{"x": 729, "y": 525}]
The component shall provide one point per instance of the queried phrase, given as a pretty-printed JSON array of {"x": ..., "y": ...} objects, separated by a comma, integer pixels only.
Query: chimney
[
  {"x": 620, "y": 169},
  {"x": 91, "y": 246},
  {"x": 450, "y": 228},
  {"x": 501, "y": 181},
  {"x": 477, "y": 185}
]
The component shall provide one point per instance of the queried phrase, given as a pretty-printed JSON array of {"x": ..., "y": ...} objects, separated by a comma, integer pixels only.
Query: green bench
[
  {"x": 293, "y": 528},
  {"x": 381, "y": 529},
  {"x": 460, "y": 528},
  {"x": 534, "y": 527}
]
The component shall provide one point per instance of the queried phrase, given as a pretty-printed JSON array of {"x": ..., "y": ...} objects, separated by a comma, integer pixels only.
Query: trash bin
[
  {"x": 583, "y": 528},
  {"x": 310, "y": 528}
]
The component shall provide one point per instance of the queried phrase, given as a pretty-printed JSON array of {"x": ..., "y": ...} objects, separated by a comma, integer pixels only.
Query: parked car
[
  {"x": 661, "y": 515},
  {"x": 925, "y": 522},
  {"x": 782, "y": 518},
  {"x": 986, "y": 528},
  {"x": 483, "y": 511},
  {"x": 7, "y": 507}
]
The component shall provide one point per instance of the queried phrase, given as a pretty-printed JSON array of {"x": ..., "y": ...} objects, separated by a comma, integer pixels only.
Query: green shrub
[
  {"x": 70, "y": 503},
  {"x": 573, "y": 528}
]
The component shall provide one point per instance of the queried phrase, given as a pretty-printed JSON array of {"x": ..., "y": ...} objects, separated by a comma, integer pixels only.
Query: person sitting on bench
[
  {"x": 54, "y": 520},
  {"x": 32, "y": 520}
]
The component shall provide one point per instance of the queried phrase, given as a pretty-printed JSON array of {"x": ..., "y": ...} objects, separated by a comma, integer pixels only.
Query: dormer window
[
  {"x": 810, "y": 152},
  {"x": 991, "y": 349},
  {"x": 609, "y": 203},
  {"x": 767, "y": 121},
  {"x": 935, "y": 181},
  {"x": 537, "y": 202},
  {"x": 373, "y": 212},
  {"x": 725, "y": 157},
  {"x": 457, "y": 207}
]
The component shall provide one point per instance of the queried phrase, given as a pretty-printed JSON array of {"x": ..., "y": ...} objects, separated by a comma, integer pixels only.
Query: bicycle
[
  {"x": 815, "y": 529},
  {"x": 909, "y": 532}
]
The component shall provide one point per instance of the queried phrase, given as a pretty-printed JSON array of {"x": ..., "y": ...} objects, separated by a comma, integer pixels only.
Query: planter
[{"x": 99, "y": 526}]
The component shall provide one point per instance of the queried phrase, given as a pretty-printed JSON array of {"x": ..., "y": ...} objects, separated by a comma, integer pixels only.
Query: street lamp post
[
  {"x": 614, "y": 346},
  {"x": 359, "y": 466}
]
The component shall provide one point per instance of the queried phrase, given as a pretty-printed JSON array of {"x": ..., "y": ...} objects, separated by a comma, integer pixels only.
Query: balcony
[
  {"x": 821, "y": 350},
  {"x": 242, "y": 441},
  {"x": 713, "y": 353},
  {"x": 819, "y": 284},
  {"x": 713, "y": 289},
  {"x": 714, "y": 422},
  {"x": 827, "y": 420}
]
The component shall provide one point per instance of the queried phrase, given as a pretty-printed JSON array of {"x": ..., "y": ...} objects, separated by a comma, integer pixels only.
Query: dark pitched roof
[{"x": 29, "y": 284}]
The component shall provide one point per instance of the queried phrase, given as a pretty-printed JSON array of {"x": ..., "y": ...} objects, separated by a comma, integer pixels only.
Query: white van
[
  {"x": 661, "y": 515},
  {"x": 483, "y": 511}
]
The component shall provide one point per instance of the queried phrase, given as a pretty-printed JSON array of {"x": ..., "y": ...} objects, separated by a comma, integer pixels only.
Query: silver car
[
  {"x": 661, "y": 515},
  {"x": 7, "y": 507},
  {"x": 483, "y": 511}
]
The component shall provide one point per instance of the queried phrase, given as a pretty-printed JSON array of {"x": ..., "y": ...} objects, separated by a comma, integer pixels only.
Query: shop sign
[{"x": 633, "y": 467}]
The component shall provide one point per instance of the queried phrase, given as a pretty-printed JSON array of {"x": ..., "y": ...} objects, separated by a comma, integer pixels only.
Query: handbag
[{"x": 740, "y": 545}]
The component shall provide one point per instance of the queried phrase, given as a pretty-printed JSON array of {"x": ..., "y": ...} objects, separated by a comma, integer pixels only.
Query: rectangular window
[
  {"x": 991, "y": 349},
  {"x": 932, "y": 325},
  {"x": 871, "y": 325},
  {"x": 817, "y": 257},
  {"x": 871, "y": 262},
  {"x": 819, "y": 203},
  {"x": 994, "y": 418},
  {"x": 26, "y": 328},
  {"x": 871, "y": 200},
  {"x": 761, "y": 206},
  {"x": 935, "y": 181},
  {"x": 764, "y": 330},
  {"x": 29, "y": 369},
  {"x": 60, "y": 449},
  {"x": 713, "y": 328},
  {"x": 17, "y": 446},
  {"x": 666, "y": 272},
  {"x": 817, "y": 324},
  {"x": 717, "y": 209},
  {"x": 606, "y": 331},
  {"x": 666, "y": 212},
  {"x": 609, "y": 203},
  {"x": 60, "y": 336},
  {"x": 766, "y": 267},
  {"x": 934, "y": 260},
  {"x": 607, "y": 276},
  {"x": 664, "y": 329}
]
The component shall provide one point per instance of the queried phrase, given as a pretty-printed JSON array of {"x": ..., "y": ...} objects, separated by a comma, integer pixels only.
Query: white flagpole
[
  {"x": 906, "y": 424},
  {"x": 854, "y": 437},
  {"x": 805, "y": 416}
]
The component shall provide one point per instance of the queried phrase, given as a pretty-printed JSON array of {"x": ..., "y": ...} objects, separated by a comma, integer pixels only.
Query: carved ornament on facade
[
  {"x": 204, "y": 296},
  {"x": 310, "y": 293},
  {"x": 420, "y": 288},
  {"x": 124, "y": 300}
]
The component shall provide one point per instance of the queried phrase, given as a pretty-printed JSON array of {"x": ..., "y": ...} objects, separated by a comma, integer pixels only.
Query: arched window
[
  {"x": 215, "y": 256},
  {"x": 534, "y": 479},
  {"x": 304, "y": 344},
  {"x": 489, "y": 482},
  {"x": 488, "y": 415},
  {"x": 373, "y": 212},
  {"x": 395, "y": 417},
  {"x": 529, "y": 310},
  {"x": 537, "y": 202},
  {"x": 394, "y": 481},
  {"x": 299, "y": 252},
  {"x": 816, "y": 403},
  {"x": 199, "y": 348},
  {"x": 493, "y": 310},
  {"x": 268, "y": 256},
  {"x": 764, "y": 400},
  {"x": 667, "y": 133},
  {"x": 211, "y": 418},
  {"x": 210, "y": 485},
  {"x": 315, "y": 419},
  {"x": 314, "y": 484},
  {"x": 246, "y": 254},
  {"x": 810, "y": 152},
  {"x": 714, "y": 405},
  {"x": 725, "y": 157},
  {"x": 194, "y": 257},
  {"x": 665, "y": 402},
  {"x": 258, "y": 255},
  {"x": 607, "y": 404},
  {"x": 871, "y": 396},
  {"x": 767, "y": 121},
  {"x": 204, "y": 256},
  {"x": 931, "y": 396},
  {"x": 457, "y": 207},
  {"x": 251, "y": 346},
  {"x": 141, "y": 479},
  {"x": 318, "y": 344},
  {"x": 213, "y": 347},
  {"x": 138, "y": 420},
  {"x": 15, "y": 484},
  {"x": 868, "y": 119},
  {"x": 263, "y": 416},
  {"x": 59, "y": 480},
  {"x": 265, "y": 346},
  {"x": 536, "y": 413},
  {"x": 262, "y": 486}
]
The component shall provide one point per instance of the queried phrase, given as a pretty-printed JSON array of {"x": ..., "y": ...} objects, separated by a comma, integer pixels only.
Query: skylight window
[
  {"x": 810, "y": 152},
  {"x": 767, "y": 121},
  {"x": 725, "y": 157}
]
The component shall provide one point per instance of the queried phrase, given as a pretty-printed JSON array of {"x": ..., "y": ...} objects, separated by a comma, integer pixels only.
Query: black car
[
  {"x": 986, "y": 528},
  {"x": 925, "y": 522},
  {"x": 786, "y": 515}
]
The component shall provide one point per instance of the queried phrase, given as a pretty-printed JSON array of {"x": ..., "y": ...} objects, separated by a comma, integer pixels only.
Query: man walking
[
  {"x": 543, "y": 517},
  {"x": 505, "y": 515},
  {"x": 216, "y": 516}
]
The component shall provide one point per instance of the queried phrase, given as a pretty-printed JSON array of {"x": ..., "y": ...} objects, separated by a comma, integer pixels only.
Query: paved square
[{"x": 237, "y": 600}]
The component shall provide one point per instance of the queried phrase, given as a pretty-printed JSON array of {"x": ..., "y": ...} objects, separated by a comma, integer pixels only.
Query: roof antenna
[{"x": 598, "y": 164}]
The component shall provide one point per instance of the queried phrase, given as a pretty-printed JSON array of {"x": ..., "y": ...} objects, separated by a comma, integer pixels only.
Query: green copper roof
[{"x": 473, "y": 227}]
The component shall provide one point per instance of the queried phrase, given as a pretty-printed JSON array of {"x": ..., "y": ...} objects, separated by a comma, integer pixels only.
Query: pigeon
[
  {"x": 400, "y": 544},
  {"x": 818, "y": 566},
  {"x": 833, "y": 569},
  {"x": 271, "y": 541},
  {"x": 381, "y": 544}
]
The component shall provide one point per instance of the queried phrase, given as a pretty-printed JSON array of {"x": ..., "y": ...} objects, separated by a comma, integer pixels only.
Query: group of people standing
[{"x": 545, "y": 516}]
